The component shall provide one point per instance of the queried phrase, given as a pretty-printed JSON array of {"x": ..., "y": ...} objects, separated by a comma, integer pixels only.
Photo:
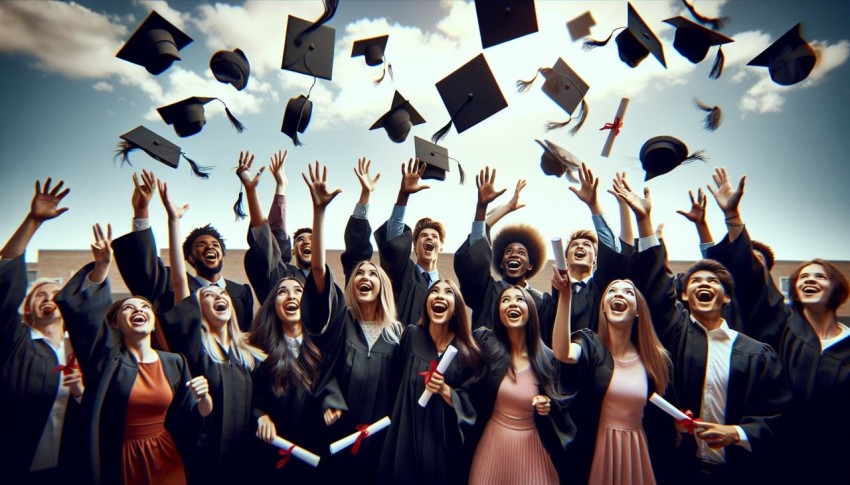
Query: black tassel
[
  {"x": 330, "y": 10},
  {"x": 390, "y": 71},
  {"x": 123, "y": 151},
  {"x": 199, "y": 170},
  {"x": 461, "y": 172},
  {"x": 237, "y": 208},
  {"x": 714, "y": 117},
  {"x": 383, "y": 73},
  {"x": 233, "y": 121},
  {"x": 716, "y": 24},
  {"x": 442, "y": 132},
  {"x": 697, "y": 155},
  {"x": 590, "y": 44},
  {"x": 582, "y": 117},
  {"x": 717, "y": 68}
]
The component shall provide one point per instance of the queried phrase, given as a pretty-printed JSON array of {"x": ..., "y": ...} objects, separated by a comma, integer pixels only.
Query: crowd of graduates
[{"x": 185, "y": 382}]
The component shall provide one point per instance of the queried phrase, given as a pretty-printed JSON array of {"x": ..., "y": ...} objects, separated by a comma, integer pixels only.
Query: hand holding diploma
[
  {"x": 356, "y": 438},
  {"x": 560, "y": 259},
  {"x": 288, "y": 449},
  {"x": 445, "y": 361},
  {"x": 685, "y": 420}
]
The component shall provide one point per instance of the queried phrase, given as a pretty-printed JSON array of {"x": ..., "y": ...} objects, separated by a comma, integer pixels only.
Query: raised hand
[
  {"x": 45, "y": 202},
  {"x": 640, "y": 206},
  {"x": 561, "y": 282},
  {"x": 174, "y": 212},
  {"x": 485, "y": 182},
  {"x": 697, "y": 212},
  {"x": 727, "y": 197},
  {"x": 411, "y": 176},
  {"x": 276, "y": 168},
  {"x": 367, "y": 183},
  {"x": 318, "y": 187},
  {"x": 142, "y": 193},
  {"x": 101, "y": 249},
  {"x": 243, "y": 171},
  {"x": 514, "y": 203},
  {"x": 587, "y": 192}
]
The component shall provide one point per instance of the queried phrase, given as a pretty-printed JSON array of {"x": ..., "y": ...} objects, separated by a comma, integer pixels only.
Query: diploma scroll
[
  {"x": 298, "y": 452},
  {"x": 560, "y": 259},
  {"x": 614, "y": 127},
  {"x": 668, "y": 408},
  {"x": 448, "y": 356},
  {"x": 349, "y": 440}
]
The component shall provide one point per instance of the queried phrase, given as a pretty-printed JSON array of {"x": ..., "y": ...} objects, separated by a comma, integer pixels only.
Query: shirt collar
[
  {"x": 435, "y": 275},
  {"x": 36, "y": 334},
  {"x": 290, "y": 340},
  {"x": 203, "y": 282},
  {"x": 721, "y": 332}
]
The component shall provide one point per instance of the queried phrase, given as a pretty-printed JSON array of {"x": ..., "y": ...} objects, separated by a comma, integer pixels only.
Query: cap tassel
[
  {"x": 714, "y": 117},
  {"x": 717, "y": 68},
  {"x": 233, "y": 121},
  {"x": 523, "y": 86},
  {"x": 460, "y": 172},
  {"x": 199, "y": 170},
  {"x": 582, "y": 117},
  {"x": 590, "y": 44},
  {"x": 697, "y": 155},
  {"x": 123, "y": 151},
  {"x": 237, "y": 208},
  {"x": 442, "y": 132},
  {"x": 716, "y": 24},
  {"x": 383, "y": 73},
  {"x": 390, "y": 71},
  {"x": 330, "y": 10}
]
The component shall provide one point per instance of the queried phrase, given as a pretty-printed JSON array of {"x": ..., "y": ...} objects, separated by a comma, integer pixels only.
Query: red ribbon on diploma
[
  {"x": 430, "y": 372},
  {"x": 616, "y": 125},
  {"x": 286, "y": 454},
  {"x": 689, "y": 424},
  {"x": 364, "y": 432},
  {"x": 70, "y": 366}
]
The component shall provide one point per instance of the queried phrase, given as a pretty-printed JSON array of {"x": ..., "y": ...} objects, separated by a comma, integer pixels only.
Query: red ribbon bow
[
  {"x": 432, "y": 369},
  {"x": 689, "y": 424},
  {"x": 286, "y": 454},
  {"x": 616, "y": 125},
  {"x": 70, "y": 366},
  {"x": 364, "y": 432}
]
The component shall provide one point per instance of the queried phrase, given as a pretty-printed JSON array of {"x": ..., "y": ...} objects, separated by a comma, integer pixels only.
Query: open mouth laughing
[
  {"x": 211, "y": 256},
  {"x": 513, "y": 264},
  {"x": 618, "y": 305},
  {"x": 220, "y": 306},
  {"x": 439, "y": 307},
  {"x": 138, "y": 319},
  {"x": 364, "y": 287},
  {"x": 513, "y": 313},
  {"x": 810, "y": 289},
  {"x": 704, "y": 295}
]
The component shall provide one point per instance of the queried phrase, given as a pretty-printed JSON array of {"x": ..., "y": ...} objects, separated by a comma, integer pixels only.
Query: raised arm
[
  {"x": 562, "y": 347},
  {"x": 243, "y": 171},
  {"x": 410, "y": 181},
  {"x": 587, "y": 194},
  {"x": 697, "y": 215},
  {"x": 487, "y": 193},
  {"x": 627, "y": 231},
  {"x": 358, "y": 246},
  {"x": 175, "y": 256},
  {"x": 728, "y": 199},
  {"x": 44, "y": 206},
  {"x": 321, "y": 198},
  {"x": 514, "y": 204}
]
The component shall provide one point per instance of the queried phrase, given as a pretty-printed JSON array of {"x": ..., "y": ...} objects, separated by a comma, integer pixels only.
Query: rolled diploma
[
  {"x": 560, "y": 260},
  {"x": 668, "y": 408},
  {"x": 297, "y": 452},
  {"x": 349, "y": 440},
  {"x": 448, "y": 356},
  {"x": 621, "y": 113}
]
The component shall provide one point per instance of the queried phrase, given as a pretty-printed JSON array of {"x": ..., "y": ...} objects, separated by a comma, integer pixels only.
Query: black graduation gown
[
  {"x": 589, "y": 378},
  {"x": 146, "y": 275},
  {"x": 819, "y": 381},
  {"x": 556, "y": 430},
  {"x": 220, "y": 446},
  {"x": 757, "y": 391},
  {"x": 267, "y": 260},
  {"x": 28, "y": 382},
  {"x": 110, "y": 371},
  {"x": 425, "y": 445},
  {"x": 409, "y": 286},
  {"x": 481, "y": 291}
]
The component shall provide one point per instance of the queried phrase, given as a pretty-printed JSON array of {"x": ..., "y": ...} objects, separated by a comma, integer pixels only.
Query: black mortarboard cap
[
  {"x": 661, "y": 154},
  {"x": 471, "y": 95},
  {"x": 296, "y": 117},
  {"x": 692, "y": 40},
  {"x": 162, "y": 150},
  {"x": 231, "y": 67},
  {"x": 399, "y": 119},
  {"x": 188, "y": 118},
  {"x": 789, "y": 60},
  {"x": 557, "y": 161},
  {"x": 154, "y": 45},
  {"x": 501, "y": 21},
  {"x": 372, "y": 49},
  {"x": 638, "y": 41},
  {"x": 436, "y": 159},
  {"x": 579, "y": 27},
  {"x": 314, "y": 56}
]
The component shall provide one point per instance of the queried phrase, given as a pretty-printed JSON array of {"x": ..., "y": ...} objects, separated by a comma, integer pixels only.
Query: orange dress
[{"x": 149, "y": 453}]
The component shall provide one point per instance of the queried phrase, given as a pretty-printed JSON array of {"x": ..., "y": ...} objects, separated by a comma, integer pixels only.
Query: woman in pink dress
[{"x": 613, "y": 373}]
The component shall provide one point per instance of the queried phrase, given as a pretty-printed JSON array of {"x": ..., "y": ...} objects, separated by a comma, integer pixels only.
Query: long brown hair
[
  {"x": 655, "y": 358},
  {"x": 840, "y": 285}
]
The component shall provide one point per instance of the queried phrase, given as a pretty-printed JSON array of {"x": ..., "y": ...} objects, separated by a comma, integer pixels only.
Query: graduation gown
[
  {"x": 221, "y": 444},
  {"x": 409, "y": 286},
  {"x": 481, "y": 291},
  {"x": 756, "y": 393},
  {"x": 267, "y": 260},
  {"x": 425, "y": 445},
  {"x": 819, "y": 381},
  {"x": 110, "y": 371},
  {"x": 29, "y": 382},
  {"x": 146, "y": 275}
]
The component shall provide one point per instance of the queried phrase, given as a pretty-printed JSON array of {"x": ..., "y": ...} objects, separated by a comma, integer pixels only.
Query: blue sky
[{"x": 66, "y": 98}]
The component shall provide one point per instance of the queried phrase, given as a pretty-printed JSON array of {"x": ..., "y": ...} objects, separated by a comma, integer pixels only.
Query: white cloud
[{"x": 103, "y": 87}]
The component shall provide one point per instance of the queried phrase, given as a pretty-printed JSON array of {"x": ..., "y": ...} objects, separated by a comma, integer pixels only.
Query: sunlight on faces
[
  {"x": 367, "y": 283},
  {"x": 814, "y": 286},
  {"x": 135, "y": 318},
  {"x": 581, "y": 252},
  {"x": 704, "y": 292},
  {"x": 515, "y": 263},
  {"x": 207, "y": 256},
  {"x": 302, "y": 249},
  {"x": 513, "y": 309},
  {"x": 441, "y": 303},
  {"x": 620, "y": 303},
  {"x": 428, "y": 245},
  {"x": 287, "y": 302},
  {"x": 216, "y": 306},
  {"x": 41, "y": 307}
]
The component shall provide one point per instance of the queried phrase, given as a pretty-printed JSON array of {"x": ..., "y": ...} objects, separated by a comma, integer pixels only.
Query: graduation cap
[
  {"x": 188, "y": 118},
  {"x": 692, "y": 40},
  {"x": 566, "y": 88},
  {"x": 579, "y": 27},
  {"x": 296, "y": 117},
  {"x": 471, "y": 95},
  {"x": 634, "y": 43},
  {"x": 556, "y": 161},
  {"x": 789, "y": 60},
  {"x": 157, "y": 147},
  {"x": 399, "y": 119},
  {"x": 436, "y": 159},
  {"x": 501, "y": 21},
  {"x": 154, "y": 45},
  {"x": 309, "y": 46},
  {"x": 231, "y": 67},
  {"x": 662, "y": 154},
  {"x": 714, "y": 116},
  {"x": 373, "y": 52}
]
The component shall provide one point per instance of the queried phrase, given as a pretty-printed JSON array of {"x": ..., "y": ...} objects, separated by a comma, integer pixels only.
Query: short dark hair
[
  {"x": 428, "y": 223},
  {"x": 840, "y": 290},
  {"x": 300, "y": 231},
  {"x": 715, "y": 267},
  {"x": 528, "y": 237},
  {"x": 207, "y": 230},
  {"x": 767, "y": 252}
]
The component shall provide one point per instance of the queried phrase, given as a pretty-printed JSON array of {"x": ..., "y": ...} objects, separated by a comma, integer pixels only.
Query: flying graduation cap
[
  {"x": 155, "y": 44},
  {"x": 501, "y": 21},
  {"x": 296, "y": 117},
  {"x": 789, "y": 60},
  {"x": 566, "y": 88},
  {"x": 556, "y": 161},
  {"x": 160, "y": 149},
  {"x": 661, "y": 154},
  {"x": 231, "y": 67},
  {"x": 436, "y": 159},
  {"x": 579, "y": 27},
  {"x": 372, "y": 51},
  {"x": 309, "y": 46},
  {"x": 188, "y": 118},
  {"x": 692, "y": 40},
  {"x": 399, "y": 119},
  {"x": 634, "y": 43},
  {"x": 471, "y": 95}
]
